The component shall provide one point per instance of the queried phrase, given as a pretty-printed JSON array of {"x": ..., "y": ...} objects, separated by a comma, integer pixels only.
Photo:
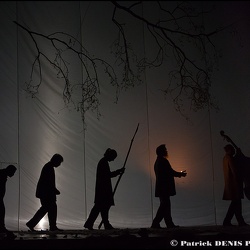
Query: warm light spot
[{"x": 42, "y": 224}]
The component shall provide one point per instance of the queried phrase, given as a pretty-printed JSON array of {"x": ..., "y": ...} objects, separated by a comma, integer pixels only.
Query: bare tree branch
[
  {"x": 178, "y": 27},
  {"x": 175, "y": 33},
  {"x": 90, "y": 85}
]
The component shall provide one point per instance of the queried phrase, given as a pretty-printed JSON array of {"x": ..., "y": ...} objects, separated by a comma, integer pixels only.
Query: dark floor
[{"x": 141, "y": 238}]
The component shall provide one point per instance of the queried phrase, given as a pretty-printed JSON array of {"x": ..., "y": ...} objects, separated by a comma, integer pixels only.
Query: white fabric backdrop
[{"x": 33, "y": 129}]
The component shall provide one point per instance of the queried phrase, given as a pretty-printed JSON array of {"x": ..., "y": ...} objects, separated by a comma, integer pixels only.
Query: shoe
[
  {"x": 4, "y": 230},
  {"x": 227, "y": 224},
  {"x": 108, "y": 227},
  {"x": 173, "y": 226},
  {"x": 88, "y": 226},
  {"x": 55, "y": 229},
  {"x": 10, "y": 235},
  {"x": 30, "y": 227},
  {"x": 156, "y": 226}
]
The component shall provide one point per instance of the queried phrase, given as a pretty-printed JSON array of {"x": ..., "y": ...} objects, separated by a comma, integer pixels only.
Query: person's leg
[
  {"x": 229, "y": 214},
  {"x": 159, "y": 215},
  {"x": 238, "y": 213},
  {"x": 167, "y": 212},
  {"x": 52, "y": 214},
  {"x": 92, "y": 217},
  {"x": 105, "y": 217},
  {"x": 38, "y": 215},
  {"x": 2, "y": 216}
]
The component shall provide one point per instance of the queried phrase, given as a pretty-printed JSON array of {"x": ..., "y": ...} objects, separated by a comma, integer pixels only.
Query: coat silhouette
[
  {"x": 46, "y": 186},
  {"x": 103, "y": 188},
  {"x": 233, "y": 188},
  {"x": 165, "y": 174}
]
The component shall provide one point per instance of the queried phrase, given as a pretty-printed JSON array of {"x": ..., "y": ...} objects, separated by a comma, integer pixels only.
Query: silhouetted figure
[
  {"x": 164, "y": 187},
  {"x": 233, "y": 188},
  {"x": 46, "y": 191},
  {"x": 9, "y": 171},
  {"x": 103, "y": 191}
]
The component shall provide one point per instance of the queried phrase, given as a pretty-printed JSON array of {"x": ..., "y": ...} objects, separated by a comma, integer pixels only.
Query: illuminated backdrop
[{"x": 33, "y": 129}]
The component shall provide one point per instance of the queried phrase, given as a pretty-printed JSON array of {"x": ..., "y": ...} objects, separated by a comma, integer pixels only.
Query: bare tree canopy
[{"x": 175, "y": 30}]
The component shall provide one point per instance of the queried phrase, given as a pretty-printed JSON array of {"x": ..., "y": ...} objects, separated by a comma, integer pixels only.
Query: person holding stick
[{"x": 103, "y": 190}]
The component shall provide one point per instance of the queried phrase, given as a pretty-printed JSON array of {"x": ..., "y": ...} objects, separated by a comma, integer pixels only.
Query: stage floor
[{"x": 141, "y": 238}]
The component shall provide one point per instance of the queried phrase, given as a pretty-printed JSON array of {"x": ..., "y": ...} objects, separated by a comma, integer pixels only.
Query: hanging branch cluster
[
  {"x": 63, "y": 44},
  {"x": 175, "y": 34}
]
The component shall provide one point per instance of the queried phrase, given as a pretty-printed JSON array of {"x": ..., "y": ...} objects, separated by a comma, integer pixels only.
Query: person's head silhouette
[
  {"x": 56, "y": 160},
  {"x": 110, "y": 154},
  {"x": 161, "y": 151},
  {"x": 11, "y": 169}
]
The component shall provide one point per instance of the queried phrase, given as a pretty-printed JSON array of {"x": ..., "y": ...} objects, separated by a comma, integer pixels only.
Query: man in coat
[
  {"x": 233, "y": 187},
  {"x": 164, "y": 187},
  {"x": 46, "y": 191}
]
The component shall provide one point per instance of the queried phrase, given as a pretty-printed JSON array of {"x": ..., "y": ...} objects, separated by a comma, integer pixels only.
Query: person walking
[
  {"x": 164, "y": 187},
  {"x": 9, "y": 171},
  {"x": 46, "y": 191},
  {"x": 103, "y": 191},
  {"x": 233, "y": 186}
]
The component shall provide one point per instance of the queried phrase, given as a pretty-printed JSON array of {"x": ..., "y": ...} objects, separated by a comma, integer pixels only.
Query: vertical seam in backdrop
[
  {"x": 18, "y": 121},
  {"x": 210, "y": 135},
  {"x": 147, "y": 118}
]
